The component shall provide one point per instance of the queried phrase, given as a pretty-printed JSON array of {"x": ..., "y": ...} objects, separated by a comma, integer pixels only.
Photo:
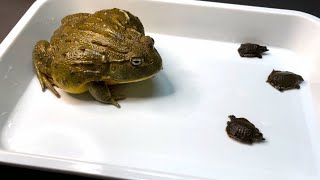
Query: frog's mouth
[{"x": 111, "y": 82}]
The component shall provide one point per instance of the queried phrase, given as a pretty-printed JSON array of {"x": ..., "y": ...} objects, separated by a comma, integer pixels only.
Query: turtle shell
[
  {"x": 284, "y": 80},
  {"x": 243, "y": 130},
  {"x": 251, "y": 50}
]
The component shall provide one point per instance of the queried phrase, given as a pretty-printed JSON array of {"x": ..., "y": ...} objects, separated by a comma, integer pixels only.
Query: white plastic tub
[{"x": 172, "y": 126}]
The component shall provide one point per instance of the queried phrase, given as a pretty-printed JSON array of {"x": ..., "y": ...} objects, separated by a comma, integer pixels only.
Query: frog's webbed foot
[
  {"x": 101, "y": 92},
  {"x": 39, "y": 59}
]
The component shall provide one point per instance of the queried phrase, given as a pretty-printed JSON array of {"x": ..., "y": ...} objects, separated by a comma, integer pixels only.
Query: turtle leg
[
  {"x": 249, "y": 141},
  {"x": 297, "y": 86},
  {"x": 259, "y": 55},
  {"x": 101, "y": 92},
  {"x": 40, "y": 61}
]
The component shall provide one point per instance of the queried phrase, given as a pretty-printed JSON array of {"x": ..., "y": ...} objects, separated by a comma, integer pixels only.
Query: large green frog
[{"x": 90, "y": 52}]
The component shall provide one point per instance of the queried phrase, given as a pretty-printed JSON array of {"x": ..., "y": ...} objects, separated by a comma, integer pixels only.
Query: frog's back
[
  {"x": 113, "y": 24},
  {"x": 107, "y": 31}
]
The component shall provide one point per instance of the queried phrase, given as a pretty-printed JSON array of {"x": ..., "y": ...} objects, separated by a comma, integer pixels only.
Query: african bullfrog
[{"x": 91, "y": 52}]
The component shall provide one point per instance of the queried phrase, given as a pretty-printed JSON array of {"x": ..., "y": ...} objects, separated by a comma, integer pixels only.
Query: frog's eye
[{"x": 136, "y": 61}]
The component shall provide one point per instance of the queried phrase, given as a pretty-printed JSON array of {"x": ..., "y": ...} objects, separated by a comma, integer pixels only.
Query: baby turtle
[
  {"x": 251, "y": 50},
  {"x": 242, "y": 130},
  {"x": 284, "y": 80}
]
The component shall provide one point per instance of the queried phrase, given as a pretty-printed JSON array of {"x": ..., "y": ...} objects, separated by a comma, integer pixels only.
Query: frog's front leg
[
  {"x": 40, "y": 63},
  {"x": 101, "y": 92}
]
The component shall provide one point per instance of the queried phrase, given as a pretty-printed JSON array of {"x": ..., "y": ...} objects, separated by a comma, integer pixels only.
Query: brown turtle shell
[
  {"x": 243, "y": 130},
  {"x": 284, "y": 80}
]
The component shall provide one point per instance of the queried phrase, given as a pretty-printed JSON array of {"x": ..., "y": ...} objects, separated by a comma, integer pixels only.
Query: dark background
[{"x": 12, "y": 10}]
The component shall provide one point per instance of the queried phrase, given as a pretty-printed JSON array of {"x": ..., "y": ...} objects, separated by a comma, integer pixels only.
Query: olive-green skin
[{"x": 88, "y": 50}]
